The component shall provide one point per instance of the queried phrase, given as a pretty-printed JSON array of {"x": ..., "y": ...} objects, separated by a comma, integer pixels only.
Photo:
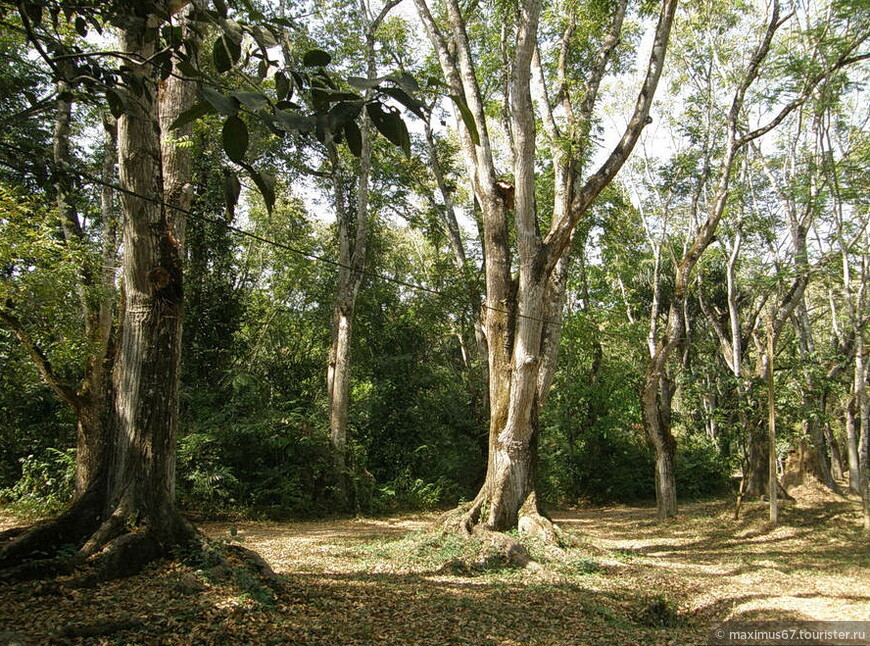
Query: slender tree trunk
[
  {"x": 655, "y": 400},
  {"x": 771, "y": 428},
  {"x": 352, "y": 258},
  {"x": 96, "y": 294},
  {"x": 852, "y": 441}
]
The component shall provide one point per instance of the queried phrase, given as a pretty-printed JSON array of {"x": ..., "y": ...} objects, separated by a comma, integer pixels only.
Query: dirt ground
[{"x": 628, "y": 580}]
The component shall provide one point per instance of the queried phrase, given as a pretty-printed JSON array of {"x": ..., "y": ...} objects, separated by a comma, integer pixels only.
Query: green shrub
[
  {"x": 701, "y": 470},
  {"x": 406, "y": 492},
  {"x": 270, "y": 463},
  {"x": 47, "y": 482}
]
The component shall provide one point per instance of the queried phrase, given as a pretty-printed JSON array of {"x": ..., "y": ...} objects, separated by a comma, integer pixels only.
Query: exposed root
[
  {"x": 9, "y": 534},
  {"x": 44, "y": 540},
  {"x": 77, "y": 540},
  {"x": 38, "y": 569},
  {"x": 124, "y": 556},
  {"x": 488, "y": 551},
  {"x": 463, "y": 518}
]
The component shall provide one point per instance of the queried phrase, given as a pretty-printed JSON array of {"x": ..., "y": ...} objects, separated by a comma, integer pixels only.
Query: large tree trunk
[
  {"x": 127, "y": 516},
  {"x": 852, "y": 442},
  {"x": 141, "y": 477},
  {"x": 755, "y": 470},
  {"x": 521, "y": 338}
]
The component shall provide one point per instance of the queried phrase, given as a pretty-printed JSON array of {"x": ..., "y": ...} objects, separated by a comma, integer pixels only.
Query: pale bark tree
[
  {"x": 353, "y": 232},
  {"x": 656, "y": 393},
  {"x": 738, "y": 138},
  {"x": 521, "y": 314},
  {"x": 127, "y": 515}
]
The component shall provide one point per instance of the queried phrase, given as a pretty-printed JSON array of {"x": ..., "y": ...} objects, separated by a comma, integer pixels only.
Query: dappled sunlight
[{"x": 366, "y": 581}]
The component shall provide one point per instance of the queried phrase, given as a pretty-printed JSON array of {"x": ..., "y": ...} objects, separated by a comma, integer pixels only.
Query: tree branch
[
  {"x": 40, "y": 360},
  {"x": 560, "y": 233}
]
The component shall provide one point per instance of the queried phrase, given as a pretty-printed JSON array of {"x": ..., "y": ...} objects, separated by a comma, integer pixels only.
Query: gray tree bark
[{"x": 521, "y": 342}]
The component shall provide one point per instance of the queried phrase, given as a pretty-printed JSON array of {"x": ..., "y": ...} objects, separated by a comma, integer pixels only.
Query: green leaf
[
  {"x": 221, "y": 55},
  {"x": 341, "y": 114},
  {"x": 353, "y": 136},
  {"x": 467, "y": 118},
  {"x": 289, "y": 122},
  {"x": 362, "y": 84},
  {"x": 116, "y": 103},
  {"x": 193, "y": 113},
  {"x": 235, "y": 138},
  {"x": 81, "y": 27},
  {"x": 265, "y": 183},
  {"x": 414, "y": 105},
  {"x": 227, "y": 52},
  {"x": 225, "y": 105},
  {"x": 187, "y": 68},
  {"x": 391, "y": 126},
  {"x": 282, "y": 86},
  {"x": 316, "y": 58},
  {"x": 232, "y": 190},
  {"x": 405, "y": 81},
  {"x": 221, "y": 8},
  {"x": 265, "y": 37},
  {"x": 253, "y": 100}
]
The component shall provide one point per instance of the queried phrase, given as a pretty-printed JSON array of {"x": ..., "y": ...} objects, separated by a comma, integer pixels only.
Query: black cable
[{"x": 254, "y": 236}]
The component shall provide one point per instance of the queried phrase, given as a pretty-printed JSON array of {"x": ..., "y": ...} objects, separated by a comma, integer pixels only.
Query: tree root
[
  {"x": 77, "y": 543},
  {"x": 542, "y": 528}
]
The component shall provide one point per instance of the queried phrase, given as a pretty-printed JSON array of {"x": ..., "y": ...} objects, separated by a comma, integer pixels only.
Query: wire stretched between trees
[{"x": 214, "y": 221}]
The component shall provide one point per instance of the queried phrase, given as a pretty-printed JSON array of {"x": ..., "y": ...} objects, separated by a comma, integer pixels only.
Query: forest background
[{"x": 377, "y": 228}]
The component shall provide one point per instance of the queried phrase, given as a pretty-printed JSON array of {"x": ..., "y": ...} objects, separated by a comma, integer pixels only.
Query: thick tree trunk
[
  {"x": 515, "y": 309},
  {"x": 142, "y": 475},
  {"x": 126, "y": 516},
  {"x": 756, "y": 468},
  {"x": 837, "y": 470}
]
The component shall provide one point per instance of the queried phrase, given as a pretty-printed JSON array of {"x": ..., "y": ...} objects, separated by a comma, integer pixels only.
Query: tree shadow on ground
[{"x": 158, "y": 608}]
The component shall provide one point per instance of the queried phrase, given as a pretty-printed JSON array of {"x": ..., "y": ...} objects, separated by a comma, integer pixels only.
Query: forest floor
[{"x": 628, "y": 580}]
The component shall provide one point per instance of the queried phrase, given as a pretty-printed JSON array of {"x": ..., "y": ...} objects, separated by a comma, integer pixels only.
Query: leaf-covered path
[{"x": 383, "y": 581}]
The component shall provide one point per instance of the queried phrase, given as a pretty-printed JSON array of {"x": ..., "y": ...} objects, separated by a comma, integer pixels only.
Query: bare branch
[
  {"x": 40, "y": 360},
  {"x": 560, "y": 233}
]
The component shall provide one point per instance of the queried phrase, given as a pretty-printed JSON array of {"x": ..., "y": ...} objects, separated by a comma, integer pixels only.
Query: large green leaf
[
  {"x": 414, "y": 105},
  {"x": 117, "y": 106},
  {"x": 353, "y": 137},
  {"x": 282, "y": 86},
  {"x": 265, "y": 183},
  {"x": 253, "y": 100},
  {"x": 225, "y": 105},
  {"x": 316, "y": 58},
  {"x": 226, "y": 52},
  {"x": 232, "y": 190},
  {"x": 235, "y": 138},
  {"x": 390, "y": 125},
  {"x": 193, "y": 113},
  {"x": 290, "y": 122}
]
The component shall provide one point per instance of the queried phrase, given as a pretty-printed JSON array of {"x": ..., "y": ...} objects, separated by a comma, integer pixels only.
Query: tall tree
[
  {"x": 351, "y": 258},
  {"x": 738, "y": 136},
  {"x": 127, "y": 515},
  {"x": 519, "y": 312}
]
